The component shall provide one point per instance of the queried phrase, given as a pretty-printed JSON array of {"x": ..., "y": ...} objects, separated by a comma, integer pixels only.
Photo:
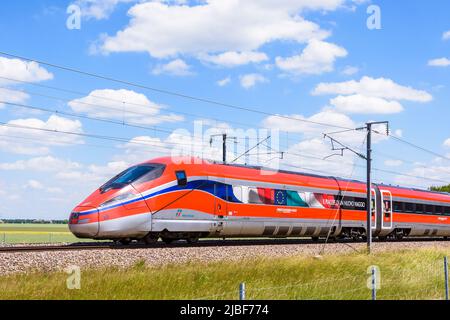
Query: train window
[
  {"x": 133, "y": 175},
  {"x": 398, "y": 206},
  {"x": 429, "y": 209},
  {"x": 237, "y": 191},
  {"x": 409, "y": 207},
  {"x": 253, "y": 196},
  {"x": 447, "y": 210},
  {"x": 438, "y": 209},
  {"x": 419, "y": 208},
  {"x": 152, "y": 174}
]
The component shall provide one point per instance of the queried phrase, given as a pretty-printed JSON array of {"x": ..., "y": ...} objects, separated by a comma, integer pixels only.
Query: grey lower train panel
[
  {"x": 230, "y": 226},
  {"x": 235, "y": 228},
  {"x": 134, "y": 226}
]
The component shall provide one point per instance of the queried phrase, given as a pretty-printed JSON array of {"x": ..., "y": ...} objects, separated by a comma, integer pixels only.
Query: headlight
[{"x": 117, "y": 199}]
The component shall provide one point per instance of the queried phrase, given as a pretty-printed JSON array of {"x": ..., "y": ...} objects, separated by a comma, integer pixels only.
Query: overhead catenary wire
[
  {"x": 338, "y": 209},
  {"x": 134, "y": 112},
  {"x": 75, "y": 115},
  {"x": 362, "y": 166},
  {"x": 33, "y": 141},
  {"x": 411, "y": 144},
  {"x": 204, "y": 100},
  {"x": 83, "y": 94},
  {"x": 130, "y": 140},
  {"x": 168, "y": 92},
  {"x": 161, "y": 130},
  {"x": 88, "y": 135}
]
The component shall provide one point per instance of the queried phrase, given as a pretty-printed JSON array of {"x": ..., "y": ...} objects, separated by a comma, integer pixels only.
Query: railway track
[
  {"x": 25, "y": 248},
  {"x": 202, "y": 243}
]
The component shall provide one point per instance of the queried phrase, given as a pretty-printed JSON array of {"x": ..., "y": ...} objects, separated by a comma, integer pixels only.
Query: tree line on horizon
[
  {"x": 35, "y": 221},
  {"x": 441, "y": 189}
]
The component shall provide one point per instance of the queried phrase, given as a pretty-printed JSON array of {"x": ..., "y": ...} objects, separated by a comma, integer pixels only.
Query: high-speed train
[{"x": 189, "y": 198}]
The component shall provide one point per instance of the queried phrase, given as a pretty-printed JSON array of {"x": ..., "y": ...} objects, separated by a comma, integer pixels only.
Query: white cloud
[
  {"x": 250, "y": 80},
  {"x": 223, "y": 82},
  {"x": 112, "y": 168},
  {"x": 175, "y": 67},
  {"x": 380, "y": 88},
  {"x": 33, "y": 184},
  {"x": 365, "y": 105},
  {"x": 99, "y": 9},
  {"x": 446, "y": 35},
  {"x": 308, "y": 127},
  {"x": 441, "y": 62},
  {"x": 447, "y": 143},
  {"x": 318, "y": 57},
  {"x": 42, "y": 139},
  {"x": 92, "y": 174},
  {"x": 398, "y": 133},
  {"x": 393, "y": 163},
  {"x": 231, "y": 59},
  {"x": 37, "y": 185},
  {"x": 296, "y": 123},
  {"x": 143, "y": 148},
  {"x": 41, "y": 164},
  {"x": 350, "y": 70},
  {"x": 21, "y": 70},
  {"x": 425, "y": 176},
  {"x": 14, "y": 96},
  {"x": 215, "y": 26},
  {"x": 123, "y": 105},
  {"x": 307, "y": 154}
]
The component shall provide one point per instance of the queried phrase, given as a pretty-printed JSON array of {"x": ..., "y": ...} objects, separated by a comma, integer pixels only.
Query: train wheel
[
  {"x": 125, "y": 242},
  {"x": 382, "y": 238},
  {"x": 399, "y": 237},
  {"x": 167, "y": 240},
  {"x": 192, "y": 240},
  {"x": 151, "y": 238}
]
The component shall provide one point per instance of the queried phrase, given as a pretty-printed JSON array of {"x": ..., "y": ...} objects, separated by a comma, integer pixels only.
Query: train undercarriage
[{"x": 346, "y": 234}]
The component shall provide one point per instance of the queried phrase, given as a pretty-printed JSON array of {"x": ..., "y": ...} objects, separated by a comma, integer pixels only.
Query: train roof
[
  {"x": 334, "y": 177},
  {"x": 208, "y": 161}
]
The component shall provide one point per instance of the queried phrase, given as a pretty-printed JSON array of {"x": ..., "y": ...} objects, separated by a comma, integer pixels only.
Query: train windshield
[{"x": 135, "y": 174}]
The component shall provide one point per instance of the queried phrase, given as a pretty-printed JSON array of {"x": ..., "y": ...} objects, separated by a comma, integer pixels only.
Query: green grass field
[
  {"x": 36, "y": 233},
  {"x": 412, "y": 274}
]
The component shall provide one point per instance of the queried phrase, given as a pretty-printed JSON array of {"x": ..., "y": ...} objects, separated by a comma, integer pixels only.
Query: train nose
[{"x": 83, "y": 222}]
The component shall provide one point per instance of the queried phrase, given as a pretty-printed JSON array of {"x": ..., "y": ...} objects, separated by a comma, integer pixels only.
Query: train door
[
  {"x": 374, "y": 210},
  {"x": 386, "y": 210},
  {"x": 220, "y": 205}
]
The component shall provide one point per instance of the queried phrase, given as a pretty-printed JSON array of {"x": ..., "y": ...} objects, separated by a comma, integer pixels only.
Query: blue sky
[{"x": 302, "y": 59}]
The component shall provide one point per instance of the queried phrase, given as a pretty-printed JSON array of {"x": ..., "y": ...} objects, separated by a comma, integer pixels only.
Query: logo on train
[{"x": 179, "y": 211}]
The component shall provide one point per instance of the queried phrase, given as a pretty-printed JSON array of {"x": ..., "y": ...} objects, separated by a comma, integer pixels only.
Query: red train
[{"x": 189, "y": 198}]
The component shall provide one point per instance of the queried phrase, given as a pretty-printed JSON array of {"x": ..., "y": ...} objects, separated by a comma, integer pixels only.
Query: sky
[{"x": 290, "y": 70}]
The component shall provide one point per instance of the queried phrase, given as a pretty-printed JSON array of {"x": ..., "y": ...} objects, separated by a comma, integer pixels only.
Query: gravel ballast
[{"x": 20, "y": 262}]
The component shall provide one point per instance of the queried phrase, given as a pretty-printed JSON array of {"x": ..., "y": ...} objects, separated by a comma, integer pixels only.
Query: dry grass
[{"x": 407, "y": 274}]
